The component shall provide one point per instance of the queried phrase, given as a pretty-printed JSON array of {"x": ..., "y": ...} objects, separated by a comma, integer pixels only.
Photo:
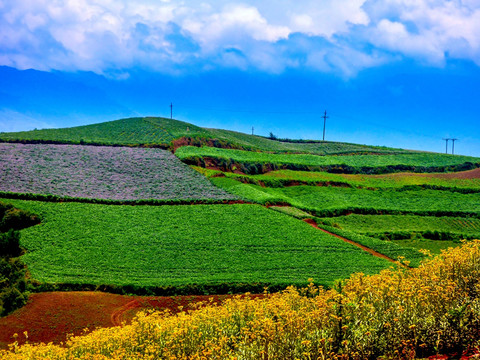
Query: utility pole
[
  {"x": 453, "y": 146},
  {"x": 324, "y": 123},
  {"x": 446, "y": 145},
  {"x": 171, "y": 110}
]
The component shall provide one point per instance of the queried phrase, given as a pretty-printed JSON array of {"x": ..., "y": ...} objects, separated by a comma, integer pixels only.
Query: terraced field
[
  {"x": 330, "y": 201},
  {"x": 101, "y": 172},
  {"x": 255, "y": 162},
  {"x": 153, "y": 246},
  {"x": 462, "y": 181}
]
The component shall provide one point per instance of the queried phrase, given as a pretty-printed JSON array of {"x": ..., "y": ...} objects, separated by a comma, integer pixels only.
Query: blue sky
[{"x": 402, "y": 73}]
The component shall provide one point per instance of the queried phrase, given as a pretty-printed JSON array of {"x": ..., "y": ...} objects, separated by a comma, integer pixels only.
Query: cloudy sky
[{"x": 401, "y": 73}]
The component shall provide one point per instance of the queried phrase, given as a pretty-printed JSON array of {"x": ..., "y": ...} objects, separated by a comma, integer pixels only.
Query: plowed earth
[{"x": 52, "y": 317}]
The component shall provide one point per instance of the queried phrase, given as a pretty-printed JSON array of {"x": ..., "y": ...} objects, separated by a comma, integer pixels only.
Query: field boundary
[
  {"x": 150, "y": 202},
  {"x": 363, "y": 247}
]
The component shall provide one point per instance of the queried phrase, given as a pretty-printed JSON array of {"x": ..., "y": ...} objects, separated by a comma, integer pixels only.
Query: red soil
[
  {"x": 51, "y": 317},
  {"x": 469, "y": 174}
]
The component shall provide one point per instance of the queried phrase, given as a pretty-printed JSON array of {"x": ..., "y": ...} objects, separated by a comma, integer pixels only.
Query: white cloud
[
  {"x": 436, "y": 28},
  {"x": 111, "y": 35}
]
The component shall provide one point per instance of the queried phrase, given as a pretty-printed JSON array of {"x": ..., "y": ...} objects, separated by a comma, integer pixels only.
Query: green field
[
  {"x": 371, "y": 224},
  {"x": 329, "y": 200},
  {"x": 249, "y": 160},
  {"x": 281, "y": 178},
  {"x": 179, "y": 245}
]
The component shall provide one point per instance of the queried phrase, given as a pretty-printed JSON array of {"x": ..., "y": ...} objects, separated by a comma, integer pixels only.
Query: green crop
[
  {"x": 180, "y": 245},
  {"x": 334, "y": 201},
  {"x": 162, "y": 131},
  {"x": 281, "y": 178},
  {"x": 257, "y": 162}
]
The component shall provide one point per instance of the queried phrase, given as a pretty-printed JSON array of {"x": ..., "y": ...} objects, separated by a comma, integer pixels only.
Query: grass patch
[
  {"x": 335, "y": 201},
  {"x": 180, "y": 245}
]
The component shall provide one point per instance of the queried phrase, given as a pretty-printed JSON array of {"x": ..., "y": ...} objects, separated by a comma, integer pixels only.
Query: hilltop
[{"x": 171, "y": 134}]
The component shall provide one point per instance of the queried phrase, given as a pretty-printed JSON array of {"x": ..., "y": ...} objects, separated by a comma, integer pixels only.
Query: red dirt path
[{"x": 51, "y": 317}]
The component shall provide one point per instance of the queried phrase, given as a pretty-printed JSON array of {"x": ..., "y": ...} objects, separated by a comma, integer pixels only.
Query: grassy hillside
[
  {"x": 163, "y": 132},
  {"x": 152, "y": 246},
  {"x": 131, "y": 131}
]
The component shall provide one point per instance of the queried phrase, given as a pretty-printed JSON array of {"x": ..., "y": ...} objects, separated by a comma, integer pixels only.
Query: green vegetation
[
  {"x": 334, "y": 201},
  {"x": 421, "y": 232},
  {"x": 391, "y": 249},
  {"x": 257, "y": 162},
  {"x": 153, "y": 131},
  {"x": 281, "y": 178},
  {"x": 260, "y": 143},
  {"x": 13, "y": 284},
  {"x": 153, "y": 246},
  {"x": 374, "y": 224},
  {"x": 132, "y": 131}
]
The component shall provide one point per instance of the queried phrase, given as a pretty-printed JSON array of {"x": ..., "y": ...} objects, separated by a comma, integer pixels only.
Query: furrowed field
[
  {"x": 150, "y": 246},
  {"x": 101, "y": 172}
]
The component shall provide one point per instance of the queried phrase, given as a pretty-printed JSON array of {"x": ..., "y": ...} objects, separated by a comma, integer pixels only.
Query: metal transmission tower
[
  {"x": 252, "y": 130},
  {"x": 453, "y": 146},
  {"x": 446, "y": 145},
  {"x": 171, "y": 110},
  {"x": 325, "y": 117}
]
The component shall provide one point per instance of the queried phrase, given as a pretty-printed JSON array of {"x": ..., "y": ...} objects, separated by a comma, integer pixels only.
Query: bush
[{"x": 10, "y": 244}]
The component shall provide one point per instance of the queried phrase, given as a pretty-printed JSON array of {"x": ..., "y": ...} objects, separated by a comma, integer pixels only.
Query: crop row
[
  {"x": 116, "y": 173},
  {"x": 257, "y": 162},
  {"x": 282, "y": 178},
  {"x": 182, "y": 245},
  {"x": 335, "y": 201},
  {"x": 390, "y": 223}
]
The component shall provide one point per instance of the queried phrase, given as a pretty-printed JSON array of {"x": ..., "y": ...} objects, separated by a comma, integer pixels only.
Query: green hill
[{"x": 168, "y": 133}]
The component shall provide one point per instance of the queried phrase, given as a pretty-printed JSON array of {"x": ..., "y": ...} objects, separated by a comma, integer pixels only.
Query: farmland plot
[
  {"x": 282, "y": 178},
  {"x": 179, "y": 245},
  {"x": 421, "y": 161},
  {"x": 118, "y": 173},
  {"x": 333, "y": 200}
]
